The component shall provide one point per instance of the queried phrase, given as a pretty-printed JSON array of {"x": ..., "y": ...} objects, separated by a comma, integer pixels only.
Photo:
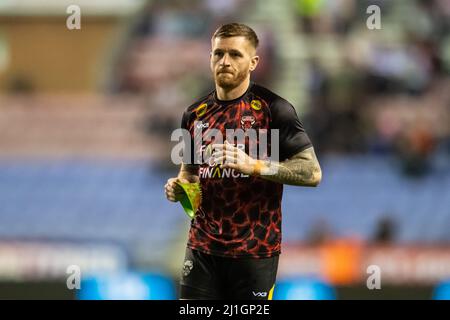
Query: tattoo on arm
[{"x": 302, "y": 169}]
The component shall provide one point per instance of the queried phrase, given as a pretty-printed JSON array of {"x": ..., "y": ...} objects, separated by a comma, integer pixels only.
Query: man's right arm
[{"x": 189, "y": 172}]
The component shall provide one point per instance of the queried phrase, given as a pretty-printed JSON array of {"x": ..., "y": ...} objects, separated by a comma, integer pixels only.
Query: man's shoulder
[
  {"x": 197, "y": 103},
  {"x": 271, "y": 98}
]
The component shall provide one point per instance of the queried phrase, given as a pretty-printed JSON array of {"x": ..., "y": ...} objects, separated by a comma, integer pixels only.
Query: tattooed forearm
[{"x": 303, "y": 169}]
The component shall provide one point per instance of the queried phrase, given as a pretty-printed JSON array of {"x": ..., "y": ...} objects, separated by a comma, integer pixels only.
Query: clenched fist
[{"x": 173, "y": 190}]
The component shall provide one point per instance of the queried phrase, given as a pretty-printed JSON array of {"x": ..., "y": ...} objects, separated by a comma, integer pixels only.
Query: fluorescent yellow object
[{"x": 190, "y": 197}]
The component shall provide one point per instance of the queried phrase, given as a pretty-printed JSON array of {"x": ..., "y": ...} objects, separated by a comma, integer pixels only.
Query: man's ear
[{"x": 254, "y": 62}]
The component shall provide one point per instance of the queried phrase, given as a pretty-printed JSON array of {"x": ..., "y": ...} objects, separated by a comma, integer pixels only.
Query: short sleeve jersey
[{"x": 240, "y": 215}]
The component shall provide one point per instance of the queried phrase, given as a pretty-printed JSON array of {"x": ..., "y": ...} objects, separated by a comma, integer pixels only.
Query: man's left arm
[{"x": 302, "y": 169}]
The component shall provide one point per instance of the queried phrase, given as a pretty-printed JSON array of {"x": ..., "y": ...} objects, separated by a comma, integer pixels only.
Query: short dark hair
[{"x": 236, "y": 30}]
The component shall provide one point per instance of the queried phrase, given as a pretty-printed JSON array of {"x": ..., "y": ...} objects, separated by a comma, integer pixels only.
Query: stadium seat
[
  {"x": 127, "y": 286},
  {"x": 303, "y": 288},
  {"x": 442, "y": 291}
]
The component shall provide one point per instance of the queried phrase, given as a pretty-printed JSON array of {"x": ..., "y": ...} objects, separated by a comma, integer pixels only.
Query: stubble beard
[{"x": 232, "y": 82}]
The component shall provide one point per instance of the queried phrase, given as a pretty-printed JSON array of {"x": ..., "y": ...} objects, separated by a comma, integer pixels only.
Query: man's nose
[{"x": 225, "y": 60}]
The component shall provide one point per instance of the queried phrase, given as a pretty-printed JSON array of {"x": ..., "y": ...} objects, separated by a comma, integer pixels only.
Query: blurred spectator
[
  {"x": 414, "y": 148},
  {"x": 320, "y": 233},
  {"x": 334, "y": 108},
  {"x": 267, "y": 52},
  {"x": 309, "y": 12},
  {"x": 20, "y": 85},
  {"x": 385, "y": 231}
]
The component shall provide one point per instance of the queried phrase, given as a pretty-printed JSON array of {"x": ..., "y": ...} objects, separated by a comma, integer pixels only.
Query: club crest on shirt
[
  {"x": 187, "y": 267},
  {"x": 256, "y": 105},
  {"x": 247, "y": 122}
]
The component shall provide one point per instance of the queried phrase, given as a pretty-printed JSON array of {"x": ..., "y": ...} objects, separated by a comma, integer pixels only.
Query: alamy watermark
[
  {"x": 374, "y": 20},
  {"x": 200, "y": 149},
  {"x": 374, "y": 280},
  {"x": 74, "y": 279},
  {"x": 73, "y": 22}
]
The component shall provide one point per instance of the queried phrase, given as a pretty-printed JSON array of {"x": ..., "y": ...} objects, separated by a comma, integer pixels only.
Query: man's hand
[
  {"x": 187, "y": 174},
  {"x": 229, "y": 156},
  {"x": 173, "y": 190}
]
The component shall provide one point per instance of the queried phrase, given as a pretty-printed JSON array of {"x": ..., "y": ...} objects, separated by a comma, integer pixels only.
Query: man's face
[{"x": 232, "y": 60}]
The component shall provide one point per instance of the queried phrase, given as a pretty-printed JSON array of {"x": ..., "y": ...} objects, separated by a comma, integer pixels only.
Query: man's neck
[{"x": 225, "y": 94}]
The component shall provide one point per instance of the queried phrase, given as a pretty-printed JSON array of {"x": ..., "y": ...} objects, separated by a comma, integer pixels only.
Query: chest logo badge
[
  {"x": 187, "y": 267},
  {"x": 247, "y": 122}
]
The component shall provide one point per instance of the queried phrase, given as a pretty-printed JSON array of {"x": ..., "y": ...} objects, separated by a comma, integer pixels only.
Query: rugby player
[{"x": 234, "y": 240}]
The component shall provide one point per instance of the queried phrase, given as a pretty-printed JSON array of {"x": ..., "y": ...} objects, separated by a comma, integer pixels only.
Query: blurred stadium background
[{"x": 86, "y": 117}]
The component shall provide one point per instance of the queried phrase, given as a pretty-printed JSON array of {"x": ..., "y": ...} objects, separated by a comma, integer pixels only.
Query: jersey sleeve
[{"x": 292, "y": 135}]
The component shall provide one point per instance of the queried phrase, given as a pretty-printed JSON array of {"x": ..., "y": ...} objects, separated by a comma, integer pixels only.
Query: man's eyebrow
[{"x": 233, "y": 51}]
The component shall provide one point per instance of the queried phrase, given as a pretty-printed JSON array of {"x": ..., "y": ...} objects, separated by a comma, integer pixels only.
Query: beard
[{"x": 230, "y": 81}]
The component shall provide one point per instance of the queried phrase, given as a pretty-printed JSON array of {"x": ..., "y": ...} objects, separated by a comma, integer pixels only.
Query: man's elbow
[
  {"x": 313, "y": 180},
  {"x": 317, "y": 177}
]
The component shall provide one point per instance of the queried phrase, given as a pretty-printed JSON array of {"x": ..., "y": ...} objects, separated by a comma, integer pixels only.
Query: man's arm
[
  {"x": 189, "y": 172},
  {"x": 302, "y": 169}
]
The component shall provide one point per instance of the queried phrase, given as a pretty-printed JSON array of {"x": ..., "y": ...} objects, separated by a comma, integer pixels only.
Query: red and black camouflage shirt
[{"x": 240, "y": 215}]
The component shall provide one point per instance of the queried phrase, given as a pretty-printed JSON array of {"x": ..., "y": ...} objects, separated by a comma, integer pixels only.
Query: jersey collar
[{"x": 227, "y": 102}]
